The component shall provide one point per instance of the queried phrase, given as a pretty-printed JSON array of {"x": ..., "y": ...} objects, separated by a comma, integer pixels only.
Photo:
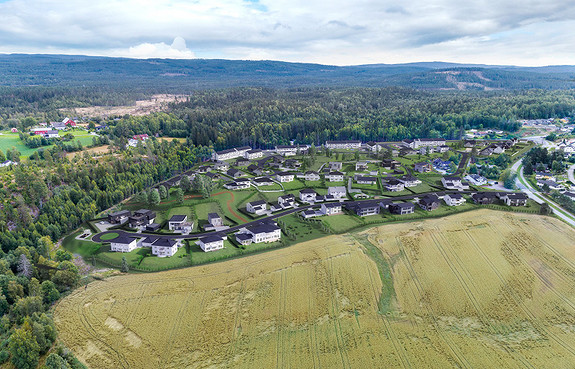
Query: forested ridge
[{"x": 263, "y": 117}]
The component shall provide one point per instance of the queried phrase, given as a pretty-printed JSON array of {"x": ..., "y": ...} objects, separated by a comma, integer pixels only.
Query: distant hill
[{"x": 186, "y": 75}]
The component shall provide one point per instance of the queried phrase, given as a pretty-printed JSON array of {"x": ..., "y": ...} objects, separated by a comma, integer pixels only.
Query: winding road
[{"x": 535, "y": 194}]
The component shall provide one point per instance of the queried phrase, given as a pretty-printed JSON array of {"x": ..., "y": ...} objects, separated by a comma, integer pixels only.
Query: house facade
[
  {"x": 343, "y": 144},
  {"x": 334, "y": 176},
  {"x": 123, "y": 243},
  {"x": 211, "y": 243},
  {"x": 256, "y": 207},
  {"x": 164, "y": 247},
  {"x": 454, "y": 199}
]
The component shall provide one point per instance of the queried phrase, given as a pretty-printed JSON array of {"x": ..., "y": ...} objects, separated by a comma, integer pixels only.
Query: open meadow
[{"x": 475, "y": 290}]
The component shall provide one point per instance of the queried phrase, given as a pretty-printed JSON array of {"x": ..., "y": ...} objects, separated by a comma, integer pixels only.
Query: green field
[{"x": 9, "y": 140}]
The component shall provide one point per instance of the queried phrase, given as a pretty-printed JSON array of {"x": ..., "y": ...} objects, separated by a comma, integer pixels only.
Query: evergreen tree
[
  {"x": 179, "y": 195},
  {"x": 125, "y": 267}
]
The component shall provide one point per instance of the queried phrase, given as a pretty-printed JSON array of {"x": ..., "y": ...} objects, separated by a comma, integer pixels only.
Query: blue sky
[{"x": 320, "y": 31}]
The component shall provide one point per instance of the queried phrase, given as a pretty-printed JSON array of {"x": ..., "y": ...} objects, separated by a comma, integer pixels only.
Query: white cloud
[
  {"x": 177, "y": 50},
  {"x": 325, "y": 31}
]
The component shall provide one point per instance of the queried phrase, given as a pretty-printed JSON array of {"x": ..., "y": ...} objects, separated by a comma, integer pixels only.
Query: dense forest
[
  {"x": 183, "y": 76},
  {"x": 41, "y": 200},
  {"x": 263, "y": 118}
]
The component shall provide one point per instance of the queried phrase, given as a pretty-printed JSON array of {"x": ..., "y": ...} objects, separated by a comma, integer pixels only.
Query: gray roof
[{"x": 178, "y": 218}]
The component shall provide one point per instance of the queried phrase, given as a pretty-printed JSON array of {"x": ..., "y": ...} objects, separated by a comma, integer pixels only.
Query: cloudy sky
[{"x": 340, "y": 32}]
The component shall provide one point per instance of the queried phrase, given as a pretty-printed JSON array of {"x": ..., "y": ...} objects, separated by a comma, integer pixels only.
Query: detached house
[
  {"x": 453, "y": 199},
  {"x": 484, "y": 198},
  {"x": 311, "y": 176},
  {"x": 235, "y": 173},
  {"x": 429, "y": 202},
  {"x": 514, "y": 199},
  {"x": 394, "y": 185},
  {"x": 410, "y": 181},
  {"x": 336, "y": 193},
  {"x": 307, "y": 195},
  {"x": 164, "y": 247},
  {"x": 422, "y": 167},
  {"x": 179, "y": 223},
  {"x": 262, "y": 181},
  {"x": 256, "y": 207},
  {"x": 390, "y": 163},
  {"x": 123, "y": 243},
  {"x": 331, "y": 208},
  {"x": 402, "y": 208},
  {"x": 215, "y": 220},
  {"x": 334, "y": 176},
  {"x": 335, "y": 166},
  {"x": 141, "y": 217},
  {"x": 211, "y": 243},
  {"x": 263, "y": 232},
  {"x": 366, "y": 208},
  {"x": 284, "y": 177},
  {"x": 366, "y": 180},
  {"x": 286, "y": 201},
  {"x": 119, "y": 217},
  {"x": 454, "y": 183}
]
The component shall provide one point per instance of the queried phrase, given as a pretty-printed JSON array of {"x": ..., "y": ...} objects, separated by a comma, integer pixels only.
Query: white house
[
  {"x": 343, "y": 144},
  {"x": 394, "y": 185},
  {"x": 264, "y": 232},
  {"x": 514, "y": 199},
  {"x": 179, "y": 223},
  {"x": 256, "y": 207},
  {"x": 124, "y": 243},
  {"x": 334, "y": 176},
  {"x": 410, "y": 181},
  {"x": 476, "y": 179},
  {"x": 454, "y": 199},
  {"x": 307, "y": 195},
  {"x": 454, "y": 183},
  {"x": 231, "y": 153},
  {"x": 331, "y": 208},
  {"x": 286, "y": 201},
  {"x": 422, "y": 142},
  {"x": 290, "y": 150},
  {"x": 164, "y": 247},
  {"x": 254, "y": 154},
  {"x": 337, "y": 192},
  {"x": 361, "y": 165},
  {"x": 52, "y": 134},
  {"x": 335, "y": 165},
  {"x": 211, "y": 243},
  {"x": 284, "y": 177},
  {"x": 366, "y": 180},
  {"x": 311, "y": 176}
]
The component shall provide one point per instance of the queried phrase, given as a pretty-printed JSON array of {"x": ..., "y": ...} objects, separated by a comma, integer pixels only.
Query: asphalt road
[
  {"x": 570, "y": 173},
  {"x": 534, "y": 194}
]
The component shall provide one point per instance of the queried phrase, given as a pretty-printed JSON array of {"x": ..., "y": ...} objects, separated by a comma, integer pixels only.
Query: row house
[{"x": 351, "y": 144}]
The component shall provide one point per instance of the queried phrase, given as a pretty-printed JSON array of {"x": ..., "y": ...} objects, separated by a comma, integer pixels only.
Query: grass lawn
[
  {"x": 82, "y": 248},
  {"x": 9, "y": 140},
  {"x": 342, "y": 222},
  {"x": 109, "y": 236},
  {"x": 296, "y": 184},
  {"x": 202, "y": 210},
  {"x": 180, "y": 259},
  {"x": 198, "y": 256}
]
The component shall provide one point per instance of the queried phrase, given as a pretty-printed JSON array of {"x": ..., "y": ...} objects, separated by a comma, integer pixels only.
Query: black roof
[
  {"x": 404, "y": 205},
  {"x": 263, "y": 228},
  {"x": 307, "y": 190},
  {"x": 120, "y": 213},
  {"x": 151, "y": 239},
  {"x": 213, "y": 215},
  {"x": 164, "y": 242},
  {"x": 122, "y": 238},
  {"x": 211, "y": 238},
  {"x": 257, "y": 202},
  {"x": 178, "y": 218},
  {"x": 243, "y": 236}
]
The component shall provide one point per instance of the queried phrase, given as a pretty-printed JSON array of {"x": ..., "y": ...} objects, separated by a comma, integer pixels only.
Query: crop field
[{"x": 476, "y": 290}]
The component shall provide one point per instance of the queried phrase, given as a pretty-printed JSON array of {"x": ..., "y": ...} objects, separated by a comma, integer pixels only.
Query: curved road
[{"x": 534, "y": 194}]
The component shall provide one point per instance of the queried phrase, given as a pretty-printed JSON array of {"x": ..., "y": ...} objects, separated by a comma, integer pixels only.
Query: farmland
[{"x": 474, "y": 290}]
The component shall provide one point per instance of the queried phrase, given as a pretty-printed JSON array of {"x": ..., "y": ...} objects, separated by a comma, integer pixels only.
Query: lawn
[
  {"x": 300, "y": 229},
  {"x": 82, "y": 248},
  {"x": 109, "y": 236},
  {"x": 9, "y": 140},
  {"x": 198, "y": 256},
  {"x": 342, "y": 222}
]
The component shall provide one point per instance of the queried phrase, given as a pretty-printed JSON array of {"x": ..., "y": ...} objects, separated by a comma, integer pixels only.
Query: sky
[{"x": 335, "y": 32}]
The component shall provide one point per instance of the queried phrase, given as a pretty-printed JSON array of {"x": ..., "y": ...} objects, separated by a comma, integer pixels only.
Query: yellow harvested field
[{"x": 482, "y": 289}]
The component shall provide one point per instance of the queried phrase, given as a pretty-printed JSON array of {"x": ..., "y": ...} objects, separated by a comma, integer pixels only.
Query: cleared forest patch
[{"x": 479, "y": 289}]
